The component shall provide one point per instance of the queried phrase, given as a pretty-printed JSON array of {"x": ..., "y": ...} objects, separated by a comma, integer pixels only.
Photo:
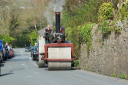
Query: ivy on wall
[{"x": 79, "y": 35}]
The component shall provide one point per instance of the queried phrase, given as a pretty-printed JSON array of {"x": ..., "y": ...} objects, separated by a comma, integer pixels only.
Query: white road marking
[
  {"x": 29, "y": 58},
  {"x": 32, "y": 62},
  {"x": 22, "y": 55},
  {"x": 29, "y": 61},
  {"x": 23, "y": 64}
]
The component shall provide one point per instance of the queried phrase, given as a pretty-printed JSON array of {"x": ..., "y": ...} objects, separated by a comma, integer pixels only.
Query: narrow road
[{"x": 21, "y": 70}]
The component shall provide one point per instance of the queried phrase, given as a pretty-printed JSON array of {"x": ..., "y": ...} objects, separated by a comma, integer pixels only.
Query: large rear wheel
[{"x": 40, "y": 63}]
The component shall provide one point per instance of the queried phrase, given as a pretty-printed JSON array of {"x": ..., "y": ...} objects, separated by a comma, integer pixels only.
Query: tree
[
  {"x": 8, "y": 17},
  {"x": 33, "y": 37},
  {"x": 7, "y": 39}
]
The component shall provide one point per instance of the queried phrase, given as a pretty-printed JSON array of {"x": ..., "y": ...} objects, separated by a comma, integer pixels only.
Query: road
[{"x": 21, "y": 70}]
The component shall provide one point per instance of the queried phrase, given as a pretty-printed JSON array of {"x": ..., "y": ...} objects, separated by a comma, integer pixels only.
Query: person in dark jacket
[
  {"x": 6, "y": 51},
  {"x": 48, "y": 29}
]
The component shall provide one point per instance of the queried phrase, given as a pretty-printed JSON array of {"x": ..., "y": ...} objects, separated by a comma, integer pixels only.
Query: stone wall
[{"x": 107, "y": 55}]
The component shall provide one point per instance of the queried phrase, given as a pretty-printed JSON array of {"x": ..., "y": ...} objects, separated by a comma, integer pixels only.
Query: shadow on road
[
  {"x": 64, "y": 70},
  {"x": 3, "y": 62},
  {"x": 16, "y": 69},
  {"x": 73, "y": 68},
  {"x": 18, "y": 60},
  {"x": 2, "y": 65},
  {"x": 6, "y": 74}
]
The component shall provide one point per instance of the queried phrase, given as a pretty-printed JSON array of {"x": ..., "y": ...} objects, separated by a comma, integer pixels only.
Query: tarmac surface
[{"x": 21, "y": 70}]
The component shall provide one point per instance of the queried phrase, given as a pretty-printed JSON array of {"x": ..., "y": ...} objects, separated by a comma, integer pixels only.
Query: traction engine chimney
[{"x": 57, "y": 22}]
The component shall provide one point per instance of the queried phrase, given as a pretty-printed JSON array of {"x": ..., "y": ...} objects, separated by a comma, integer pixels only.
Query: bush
[
  {"x": 76, "y": 63},
  {"x": 113, "y": 75},
  {"x": 123, "y": 76},
  {"x": 105, "y": 12},
  {"x": 124, "y": 11}
]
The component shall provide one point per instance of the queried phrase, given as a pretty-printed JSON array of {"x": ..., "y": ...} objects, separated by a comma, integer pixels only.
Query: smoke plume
[
  {"x": 48, "y": 14},
  {"x": 53, "y": 6},
  {"x": 58, "y": 7}
]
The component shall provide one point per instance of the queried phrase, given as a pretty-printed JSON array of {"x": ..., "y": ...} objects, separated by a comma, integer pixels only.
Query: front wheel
[
  {"x": 1, "y": 58},
  {"x": 33, "y": 58},
  {"x": 37, "y": 60},
  {"x": 40, "y": 62}
]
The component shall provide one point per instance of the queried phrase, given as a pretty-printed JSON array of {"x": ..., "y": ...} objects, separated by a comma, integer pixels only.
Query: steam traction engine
[{"x": 55, "y": 52}]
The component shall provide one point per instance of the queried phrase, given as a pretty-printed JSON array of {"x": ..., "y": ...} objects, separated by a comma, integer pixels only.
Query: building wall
[{"x": 107, "y": 55}]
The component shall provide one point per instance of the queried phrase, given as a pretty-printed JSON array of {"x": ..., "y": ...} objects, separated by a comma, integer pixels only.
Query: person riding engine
[
  {"x": 48, "y": 34},
  {"x": 49, "y": 30}
]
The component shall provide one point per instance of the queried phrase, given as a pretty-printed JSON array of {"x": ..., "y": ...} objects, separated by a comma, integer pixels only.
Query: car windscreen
[{"x": 27, "y": 48}]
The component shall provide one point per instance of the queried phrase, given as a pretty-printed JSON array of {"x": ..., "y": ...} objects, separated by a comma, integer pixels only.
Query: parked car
[
  {"x": 33, "y": 52},
  {"x": 1, "y": 58},
  {"x": 11, "y": 52},
  {"x": 4, "y": 57},
  {"x": 27, "y": 49},
  {"x": 31, "y": 48},
  {"x": 4, "y": 53}
]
